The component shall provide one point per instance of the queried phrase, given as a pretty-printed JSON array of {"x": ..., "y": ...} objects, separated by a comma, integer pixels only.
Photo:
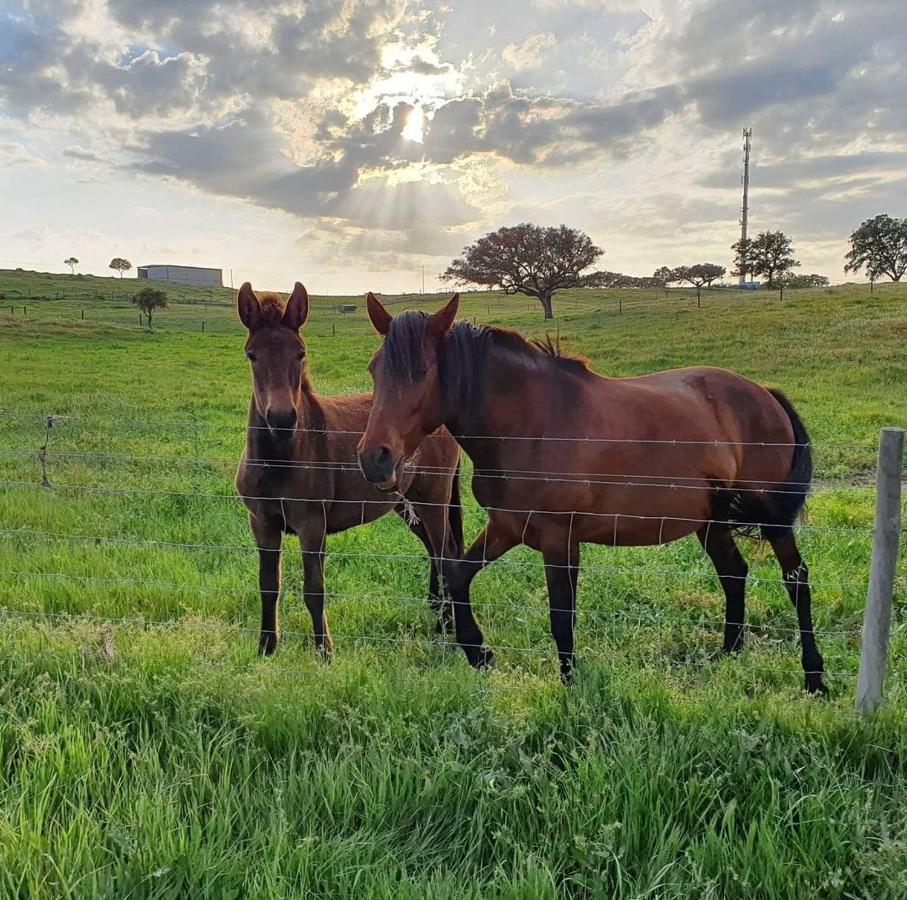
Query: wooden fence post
[{"x": 885, "y": 540}]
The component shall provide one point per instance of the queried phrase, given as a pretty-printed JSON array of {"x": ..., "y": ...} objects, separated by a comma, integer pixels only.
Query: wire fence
[
  {"x": 211, "y": 310},
  {"x": 35, "y": 576}
]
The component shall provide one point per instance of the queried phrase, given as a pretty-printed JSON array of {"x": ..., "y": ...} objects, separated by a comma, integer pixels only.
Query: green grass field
[{"x": 160, "y": 757}]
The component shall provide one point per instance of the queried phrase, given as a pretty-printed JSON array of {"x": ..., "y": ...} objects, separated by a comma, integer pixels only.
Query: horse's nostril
[{"x": 383, "y": 455}]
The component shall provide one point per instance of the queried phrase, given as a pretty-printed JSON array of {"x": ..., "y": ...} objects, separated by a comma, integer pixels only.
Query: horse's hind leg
[
  {"x": 719, "y": 544},
  {"x": 795, "y": 575},
  {"x": 561, "y": 573}
]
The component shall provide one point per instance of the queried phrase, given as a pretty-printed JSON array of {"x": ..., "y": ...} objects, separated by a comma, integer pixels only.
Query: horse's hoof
[
  {"x": 267, "y": 643},
  {"x": 568, "y": 676},
  {"x": 325, "y": 653},
  {"x": 815, "y": 685}
]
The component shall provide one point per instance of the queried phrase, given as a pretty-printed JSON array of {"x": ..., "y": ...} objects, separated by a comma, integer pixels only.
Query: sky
[{"x": 354, "y": 144}]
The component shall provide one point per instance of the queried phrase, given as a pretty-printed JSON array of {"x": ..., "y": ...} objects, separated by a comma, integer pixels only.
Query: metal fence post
[{"x": 885, "y": 540}]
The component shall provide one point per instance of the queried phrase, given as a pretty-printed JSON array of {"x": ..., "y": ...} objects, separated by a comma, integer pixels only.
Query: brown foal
[{"x": 299, "y": 475}]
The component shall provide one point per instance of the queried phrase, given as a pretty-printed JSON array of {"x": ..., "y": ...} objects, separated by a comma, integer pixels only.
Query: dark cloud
[
  {"x": 81, "y": 154},
  {"x": 204, "y": 89}
]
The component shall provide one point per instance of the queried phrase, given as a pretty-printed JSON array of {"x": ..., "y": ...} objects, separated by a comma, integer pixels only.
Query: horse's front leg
[
  {"x": 494, "y": 541},
  {"x": 561, "y": 572},
  {"x": 268, "y": 537},
  {"x": 312, "y": 545}
]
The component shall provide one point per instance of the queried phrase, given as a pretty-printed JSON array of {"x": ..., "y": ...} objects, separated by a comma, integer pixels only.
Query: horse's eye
[
  {"x": 301, "y": 354},
  {"x": 251, "y": 357}
]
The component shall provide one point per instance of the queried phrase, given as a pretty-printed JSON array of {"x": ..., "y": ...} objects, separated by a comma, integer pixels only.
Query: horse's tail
[
  {"x": 786, "y": 504},
  {"x": 455, "y": 514},
  {"x": 773, "y": 512}
]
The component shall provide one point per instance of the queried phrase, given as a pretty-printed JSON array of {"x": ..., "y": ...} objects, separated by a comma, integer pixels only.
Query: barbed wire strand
[
  {"x": 650, "y": 618},
  {"x": 560, "y": 476},
  {"x": 710, "y": 442},
  {"x": 527, "y": 565},
  {"x": 393, "y": 501},
  {"x": 139, "y": 622}
]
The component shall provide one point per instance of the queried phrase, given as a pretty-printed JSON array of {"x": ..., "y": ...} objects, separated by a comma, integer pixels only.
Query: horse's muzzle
[
  {"x": 282, "y": 425},
  {"x": 379, "y": 467}
]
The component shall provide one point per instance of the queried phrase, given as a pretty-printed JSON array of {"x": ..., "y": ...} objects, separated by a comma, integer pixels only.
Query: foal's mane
[
  {"x": 271, "y": 307},
  {"x": 464, "y": 354}
]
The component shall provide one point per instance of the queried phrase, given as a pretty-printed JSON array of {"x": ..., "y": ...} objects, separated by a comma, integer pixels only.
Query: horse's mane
[{"x": 465, "y": 353}]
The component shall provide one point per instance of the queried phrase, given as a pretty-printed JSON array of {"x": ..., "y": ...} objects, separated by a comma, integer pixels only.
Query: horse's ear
[
  {"x": 248, "y": 306},
  {"x": 297, "y": 310},
  {"x": 441, "y": 321},
  {"x": 380, "y": 317}
]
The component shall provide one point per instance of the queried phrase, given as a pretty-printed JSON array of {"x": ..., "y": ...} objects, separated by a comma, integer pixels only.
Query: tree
[
  {"x": 619, "y": 280},
  {"x": 148, "y": 300},
  {"x": 769, "y": 254},
  {"x": 663, "y": 276},
  {"x": 528, "y": 259},
  {"x": 121, "y": 265},
  {"x": 789, "y": 279},
  {"x": 879, "y": 244},
  {"x": 72, "y": 262},
  {"x": 698, "y": 275}
]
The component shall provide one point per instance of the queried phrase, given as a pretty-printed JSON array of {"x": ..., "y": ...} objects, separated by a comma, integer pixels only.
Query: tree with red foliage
[{"x": 528, "y": 259}]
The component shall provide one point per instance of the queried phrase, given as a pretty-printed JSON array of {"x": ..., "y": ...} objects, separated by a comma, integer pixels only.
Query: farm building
[{"x": 184, "y": 274}]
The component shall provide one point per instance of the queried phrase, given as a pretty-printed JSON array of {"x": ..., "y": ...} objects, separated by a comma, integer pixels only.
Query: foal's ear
[
  {"x": 248, "y": 306},
  {"x": 441, "y": 321},
  {"x": 297, "y": 310},
  {"x": 380, "y": 317}
]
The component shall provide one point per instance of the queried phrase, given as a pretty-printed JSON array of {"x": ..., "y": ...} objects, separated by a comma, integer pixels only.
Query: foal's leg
[
  {"x": 491, "y": 544},
  {"x": 796, "y": 579},
  {"x": 312, "y": 546},
  {"x": 561, "y": 572},
  {"x": 436, "y": 597},
  {"x": 442, "y": 545},
  {"x": 268, "y": 537},
  {"x": 719, "y": 544}
]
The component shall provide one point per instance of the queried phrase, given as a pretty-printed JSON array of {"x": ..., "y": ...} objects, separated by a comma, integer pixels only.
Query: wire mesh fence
[{"x": 159, "y": 540}]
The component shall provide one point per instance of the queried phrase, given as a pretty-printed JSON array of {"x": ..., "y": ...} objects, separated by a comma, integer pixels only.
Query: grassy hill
[{"x": 158, "y": 756}]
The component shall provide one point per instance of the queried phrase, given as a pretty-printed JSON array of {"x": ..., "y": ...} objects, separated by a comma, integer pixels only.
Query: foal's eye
[{"x": 251, "y": 357}]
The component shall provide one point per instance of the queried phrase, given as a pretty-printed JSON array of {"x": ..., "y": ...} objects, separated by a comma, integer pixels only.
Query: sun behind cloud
[{"x": 414, "y": 129}]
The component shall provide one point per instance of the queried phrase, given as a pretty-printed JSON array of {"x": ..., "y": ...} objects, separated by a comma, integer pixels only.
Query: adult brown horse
[
  {"x": 298, "y": 472},
  {"x": 563, "y": 456}
]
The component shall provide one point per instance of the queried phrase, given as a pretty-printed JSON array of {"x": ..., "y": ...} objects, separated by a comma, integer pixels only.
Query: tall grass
[{"x": 164, "y": 759}]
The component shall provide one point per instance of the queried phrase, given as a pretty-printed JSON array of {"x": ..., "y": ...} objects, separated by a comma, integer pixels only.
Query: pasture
[{"x": 148, "y": 751}]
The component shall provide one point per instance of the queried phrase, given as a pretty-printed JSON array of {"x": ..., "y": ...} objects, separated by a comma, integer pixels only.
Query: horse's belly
[
  {"x": 620, "y": 517},
  {"x": 629, "y": 531}
]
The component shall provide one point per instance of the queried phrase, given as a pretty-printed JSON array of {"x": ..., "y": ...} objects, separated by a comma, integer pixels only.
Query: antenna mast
[{"x": 745, "y": 209}]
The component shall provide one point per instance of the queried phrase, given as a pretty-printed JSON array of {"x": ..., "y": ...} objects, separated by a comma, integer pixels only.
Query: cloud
[
  {"x": 80, "y": 153},
  {"x": 531, "y": 54},
  {"x": 299, "y": 107},
  {"x": 37, "y": 234},
  {"x": 15, "y": 154}
]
